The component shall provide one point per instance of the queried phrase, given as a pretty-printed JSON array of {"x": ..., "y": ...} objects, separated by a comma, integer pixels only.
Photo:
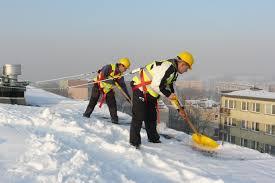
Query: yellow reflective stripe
[
  {"x": 147, "y": 74},
  {"x": 136, "y": 80},
  {"x": 107, "y": 86},
  {"x": 112, "y": 74},
  {"x": 153, "y": 93},
  {"x": 169, "y": 80}
]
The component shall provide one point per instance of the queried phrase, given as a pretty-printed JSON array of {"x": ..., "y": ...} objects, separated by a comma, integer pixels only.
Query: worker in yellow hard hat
[
  {"x": 154, "y": 80},
  {"x": 187, "y": 58},
  {"x": 107, "y": 77}
]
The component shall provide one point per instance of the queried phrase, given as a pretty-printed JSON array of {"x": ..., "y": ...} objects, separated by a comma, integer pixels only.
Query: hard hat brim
[{"x": 190, "y": 67}]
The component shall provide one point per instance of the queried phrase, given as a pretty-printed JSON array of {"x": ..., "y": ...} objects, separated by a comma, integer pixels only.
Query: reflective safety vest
[
  {"x": 107, "y": 86},
  {"x": 143, "y": 79}
]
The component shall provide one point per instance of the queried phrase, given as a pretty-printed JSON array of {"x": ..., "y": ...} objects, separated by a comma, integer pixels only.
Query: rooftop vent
[{"x": 11, "y": 90}]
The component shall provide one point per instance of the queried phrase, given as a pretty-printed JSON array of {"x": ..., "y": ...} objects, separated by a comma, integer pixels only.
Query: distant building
[
  {"x": 232, "y": 86},
  {"x": 76, "y": 89},
  {"x": 248, "y": 119},
  {"x": 193, "y": 84}
]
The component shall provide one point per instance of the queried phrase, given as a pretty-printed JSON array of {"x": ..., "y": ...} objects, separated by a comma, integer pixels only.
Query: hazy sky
[{"x": 53, "y": 38}]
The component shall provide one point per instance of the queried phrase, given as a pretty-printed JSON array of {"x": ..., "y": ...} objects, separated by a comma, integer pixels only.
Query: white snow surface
[{"x": 50, "y": 141}]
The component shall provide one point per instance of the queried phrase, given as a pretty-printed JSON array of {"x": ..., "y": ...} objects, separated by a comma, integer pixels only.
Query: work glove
[{"x": 173, "y": 96}]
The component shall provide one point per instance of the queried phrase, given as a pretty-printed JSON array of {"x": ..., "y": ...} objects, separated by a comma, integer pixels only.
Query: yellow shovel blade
[{"x": 204, "y": 143}]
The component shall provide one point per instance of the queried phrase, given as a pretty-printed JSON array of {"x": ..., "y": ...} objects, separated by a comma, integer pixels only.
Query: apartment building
[
  {"x": 76, "y": 89},
  {"x": 193, "y": 84},
  {"x": 247, "y": 118}
]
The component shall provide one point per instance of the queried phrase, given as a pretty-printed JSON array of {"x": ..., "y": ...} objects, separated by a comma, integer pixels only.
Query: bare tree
[{"x": 201, "y": 118}]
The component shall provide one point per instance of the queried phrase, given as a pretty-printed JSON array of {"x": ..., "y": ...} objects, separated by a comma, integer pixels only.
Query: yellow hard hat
[
  {"x": 187, "y": 58},
  {"x": 125, "y": 61}
]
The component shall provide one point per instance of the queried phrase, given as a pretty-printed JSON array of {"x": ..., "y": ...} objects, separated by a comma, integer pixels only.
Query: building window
[
  {"x": 225, "y": 121},
  {"x": 270, "y": 129},
  {"x": 244, "y": 124},
  {"x": 253, "y": 144},
  {"x": 234, "y": 122},
  {"x": 255, "y": 107},
  {"x": 273, "y": 109},
  {"x": 232, "y": 104},
  {"x": 226, "y": 103},
  {"x": 267, "y": 148},
  {"x": 267, "y": 129},
  {"x": 244, "y": 142},
  {"x": 267, "y": 108},
  {"x": 225, "y": 137},
  {"x": 258, "y": 107},
  {"x": 255, "y": 126},
  {"x": 232, "y": 139},
  {"x": 258, "y": 147},
  {"x": 231, "y": 122},
  {"x": 245, "y": 106}
]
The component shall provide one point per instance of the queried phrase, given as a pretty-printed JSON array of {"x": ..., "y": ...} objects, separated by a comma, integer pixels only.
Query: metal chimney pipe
[{"x": 11, "y": 71}]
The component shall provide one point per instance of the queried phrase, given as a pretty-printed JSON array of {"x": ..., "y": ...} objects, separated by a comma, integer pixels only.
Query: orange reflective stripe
[
  {"x": 140, "y": 85},
  {"x": 143, "y": 85},
  {"x": 102, "y": 99},
  {"x": 112, "y": 73}
]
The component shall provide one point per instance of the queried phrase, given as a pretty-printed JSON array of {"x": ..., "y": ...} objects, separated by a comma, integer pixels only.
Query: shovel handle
[
  {"x": 185, "y": 116},
  {"x": 124, "y": 94}
]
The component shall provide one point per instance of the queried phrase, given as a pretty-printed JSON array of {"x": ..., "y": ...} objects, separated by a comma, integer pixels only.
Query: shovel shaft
[
  {"x": 200, "y": 141},
  {"x": 123, "y": 93},
  {"x": 185, "y": 117}
]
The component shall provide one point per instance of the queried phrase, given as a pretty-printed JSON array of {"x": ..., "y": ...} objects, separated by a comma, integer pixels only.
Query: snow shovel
[
  {"x": 124, "y": 94},
  {"x": 200, "y": 141}
]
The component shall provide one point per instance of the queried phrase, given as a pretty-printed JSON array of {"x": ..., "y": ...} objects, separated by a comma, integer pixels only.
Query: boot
[
  {"x": 136, "y": 146},
  {"x": 85, "y": 115},
  {"x": 114, "y": 121},
  {"x": 154, "y": 141}
]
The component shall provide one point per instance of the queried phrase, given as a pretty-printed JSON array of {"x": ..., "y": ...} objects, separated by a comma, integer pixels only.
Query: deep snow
[{"x": 50, "y": 141}]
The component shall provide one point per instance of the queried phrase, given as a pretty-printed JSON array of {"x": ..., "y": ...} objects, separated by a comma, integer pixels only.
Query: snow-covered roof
[
  {"x": 262, "y": 94},
  {"x": 54, "y": 143}
]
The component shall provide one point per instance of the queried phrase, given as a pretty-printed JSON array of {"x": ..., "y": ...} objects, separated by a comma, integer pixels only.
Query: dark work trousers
[
  {"x": 110, "y": 100},
  {"x": 143, "y": 111}
]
